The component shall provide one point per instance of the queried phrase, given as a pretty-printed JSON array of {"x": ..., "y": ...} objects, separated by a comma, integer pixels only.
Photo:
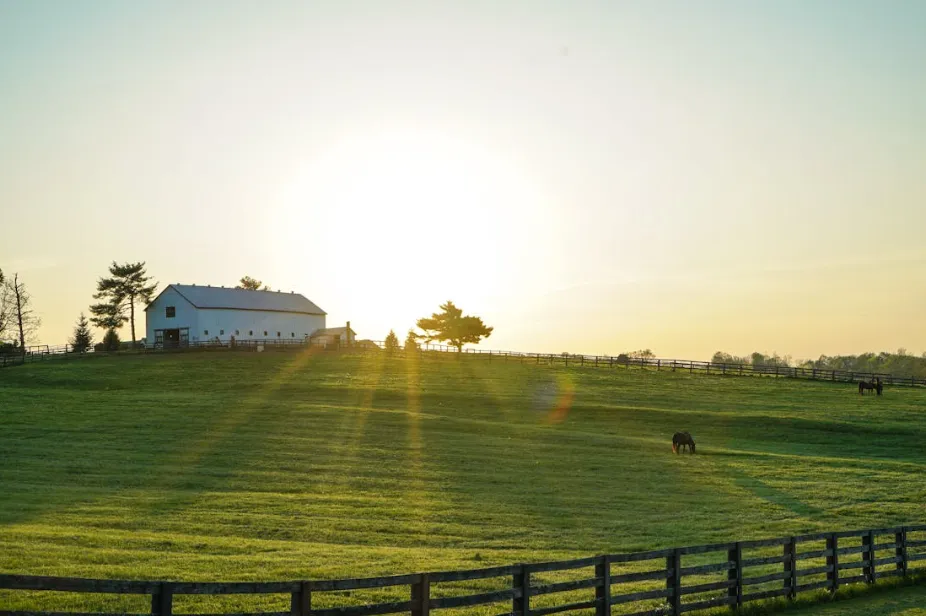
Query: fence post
[
  {"x": 735, "y": 572},
  {"x": 900, "y": 538},
  {"x": 790, "y": 550},
  {"x": 603, "y": 589},
  {"x": 520, "y": 605},
  {"x": 162, "y": 600},
  {"x": 301, "y": 602},
  {"x": 868, "y": 542},
  {"x": 421, "y": 596},
  {"x": 674, "y": 581},
  {"x": 832, "y": 543}
]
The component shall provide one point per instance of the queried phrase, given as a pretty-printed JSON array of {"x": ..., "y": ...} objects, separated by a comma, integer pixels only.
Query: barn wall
[
  {"x": 222, "y": 324},
  {"x": 156, "y": 315}
]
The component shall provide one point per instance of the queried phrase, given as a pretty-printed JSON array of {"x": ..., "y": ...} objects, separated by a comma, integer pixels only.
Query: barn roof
[{"x": 244, "y": 299}]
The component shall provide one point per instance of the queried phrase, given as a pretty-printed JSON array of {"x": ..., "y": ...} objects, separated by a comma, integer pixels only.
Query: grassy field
[{"x": 282, "y": 466}]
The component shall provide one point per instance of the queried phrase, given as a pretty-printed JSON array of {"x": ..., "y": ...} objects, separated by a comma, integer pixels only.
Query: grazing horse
[
  {"x": 863, "y": 386},
  {"x": 680, "y": 440}
]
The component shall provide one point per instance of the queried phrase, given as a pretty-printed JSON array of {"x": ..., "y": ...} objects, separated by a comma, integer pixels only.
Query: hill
[{"x": 277, "y": 466}]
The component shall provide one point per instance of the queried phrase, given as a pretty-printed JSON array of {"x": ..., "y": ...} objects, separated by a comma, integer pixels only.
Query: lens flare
[{"x": 554, "y": 398}]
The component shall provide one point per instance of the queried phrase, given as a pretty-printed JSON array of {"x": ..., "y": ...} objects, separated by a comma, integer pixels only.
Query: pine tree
[
  {"x": 127, "y": 285},
  {"x": 111, "y": 340},
  {"x": 392, "y": 342},
  {"x": 411, "y": 341},
  {"x": 83, "y": 338}
]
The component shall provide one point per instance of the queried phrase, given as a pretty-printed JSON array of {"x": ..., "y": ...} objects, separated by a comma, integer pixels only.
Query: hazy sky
[{"x": 587, "y": 176}]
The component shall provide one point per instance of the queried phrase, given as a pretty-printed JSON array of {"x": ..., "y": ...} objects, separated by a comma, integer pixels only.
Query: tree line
[
  {"x": 449, "y": 325},
  {"x": 900, "y": 363}
]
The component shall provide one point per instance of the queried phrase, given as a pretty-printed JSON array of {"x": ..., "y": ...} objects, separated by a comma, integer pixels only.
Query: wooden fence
[
  {"x": 745, "y": 571},
  {"x": 564, "y": 359}
]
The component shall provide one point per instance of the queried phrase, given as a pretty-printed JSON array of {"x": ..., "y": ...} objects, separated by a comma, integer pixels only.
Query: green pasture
[{"x": 274, "y": 466}]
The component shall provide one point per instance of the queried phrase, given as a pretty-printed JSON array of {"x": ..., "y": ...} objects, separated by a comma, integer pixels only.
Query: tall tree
[
  {"x": 83, "y": 338},
  {"x": 21, "y": 311},
  {"x": 108, "y": 316},
  {"x": 127, "y": 285},
  {"x": 251, "y": 284},
  {"x": 4, "y": 308},
  {"x": 451, "y": 325}
]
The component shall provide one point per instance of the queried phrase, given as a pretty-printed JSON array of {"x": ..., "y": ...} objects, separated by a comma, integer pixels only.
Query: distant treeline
[{"x": 900, "y": 363}]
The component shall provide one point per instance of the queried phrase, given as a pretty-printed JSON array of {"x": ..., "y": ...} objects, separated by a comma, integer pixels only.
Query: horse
[
  {"x": 680, "y": 440},
  {"x": 863, "y": 386}
]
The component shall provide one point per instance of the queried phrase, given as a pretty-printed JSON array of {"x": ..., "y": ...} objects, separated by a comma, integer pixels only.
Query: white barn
[{"x": 190, "y": 313}]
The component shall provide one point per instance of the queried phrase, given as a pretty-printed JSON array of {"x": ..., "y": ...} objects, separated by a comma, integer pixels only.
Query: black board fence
[
  {"x": 674, "y": 581},
  {"x": 43, "y": 353}
]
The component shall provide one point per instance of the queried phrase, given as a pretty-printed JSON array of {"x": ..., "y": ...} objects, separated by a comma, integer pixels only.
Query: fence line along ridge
[{"x": 44, "y": 352}]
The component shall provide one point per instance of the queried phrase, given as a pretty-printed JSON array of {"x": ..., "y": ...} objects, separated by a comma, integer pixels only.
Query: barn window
[
  {"x": 221, "y": 332},
  {"x": 205, "y": 332},
  {"x": 278, "y": 334},
  {"x": 265, "y": 333},
  {"x": 250, "y": 332},
  {"x": 292, "y": 334},
  {"x": 171, "y": 312},
  {"x": 237, "y": 333}
]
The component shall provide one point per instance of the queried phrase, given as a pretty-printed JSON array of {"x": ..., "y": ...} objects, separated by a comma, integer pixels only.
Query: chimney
[{"x": 349, "y": 340}]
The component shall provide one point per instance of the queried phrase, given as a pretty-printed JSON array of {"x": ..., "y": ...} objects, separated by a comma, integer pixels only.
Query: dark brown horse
[
  {"x": 864, "y": 386},
  {"x": 680, "y": 440}
]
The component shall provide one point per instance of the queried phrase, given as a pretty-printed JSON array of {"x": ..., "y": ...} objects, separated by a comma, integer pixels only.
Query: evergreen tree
[
  {"x": 392, "y": 342},
  {"x": 111, "y": 340},
  {"x": 83, "y": 338},
  {"x": 127, "y": 285},
  {"x": 411, "y": 341}
]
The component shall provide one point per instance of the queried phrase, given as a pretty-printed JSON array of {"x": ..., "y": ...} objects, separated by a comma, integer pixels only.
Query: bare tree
[
  {"x": 6, "y": 312},
  {"x": 23, "y": 315}
]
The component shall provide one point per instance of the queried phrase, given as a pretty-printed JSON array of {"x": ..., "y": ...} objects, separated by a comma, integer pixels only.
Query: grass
[{"x": 282, "y": 466}]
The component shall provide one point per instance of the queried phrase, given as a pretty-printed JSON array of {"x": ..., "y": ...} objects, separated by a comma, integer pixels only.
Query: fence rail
[
  {"x": 598, "y": 361},
  {"x": 739, "y": 583}
]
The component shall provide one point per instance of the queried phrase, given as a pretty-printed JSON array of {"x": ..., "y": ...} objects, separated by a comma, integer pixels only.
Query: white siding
[
  {"x": 156, "y": 315},
  {"x": 222, "y": 324}
]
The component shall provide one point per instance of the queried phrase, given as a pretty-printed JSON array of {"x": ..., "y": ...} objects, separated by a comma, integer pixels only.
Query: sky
[{"x": 591, "y": 177}]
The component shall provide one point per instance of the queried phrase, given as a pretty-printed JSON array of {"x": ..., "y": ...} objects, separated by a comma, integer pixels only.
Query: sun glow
[{"x": 419, "y": 218}]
